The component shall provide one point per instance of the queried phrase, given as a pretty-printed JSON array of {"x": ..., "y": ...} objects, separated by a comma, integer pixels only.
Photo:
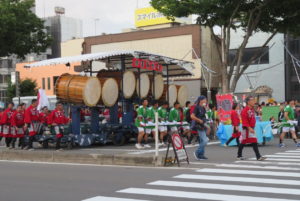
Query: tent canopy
[{"x": 113, "y": 59}]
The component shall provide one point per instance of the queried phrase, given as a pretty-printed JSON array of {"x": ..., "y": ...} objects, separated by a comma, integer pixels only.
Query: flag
[{"x": 42, "y": 99}]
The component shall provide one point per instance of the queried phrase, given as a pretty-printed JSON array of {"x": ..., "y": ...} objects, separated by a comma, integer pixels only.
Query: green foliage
[
  {"x": 21, "y": 32},
  {"x": 280, "y": 15},
  {"x": 27, "y": 88}
]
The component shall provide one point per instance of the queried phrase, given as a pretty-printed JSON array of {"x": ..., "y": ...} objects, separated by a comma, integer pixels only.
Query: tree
[
  {"x": 271, "y": 16},
  {"x": 21, "y": 32},
  {"x": 28, "y": 87}
]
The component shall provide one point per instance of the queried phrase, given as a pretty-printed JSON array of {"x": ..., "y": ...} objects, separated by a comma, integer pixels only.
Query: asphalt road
[{"x": 219, "y": 178}]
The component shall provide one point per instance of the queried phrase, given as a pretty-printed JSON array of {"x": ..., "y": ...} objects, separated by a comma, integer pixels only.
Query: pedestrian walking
[
  {"x": 198, "y": 124},
  {"x": 235, "y": 122},
  {"x": 58, "y": 119},
  {"x": 248, "y": 133}
]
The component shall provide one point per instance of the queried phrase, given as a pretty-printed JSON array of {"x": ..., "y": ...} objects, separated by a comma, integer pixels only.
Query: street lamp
[{"x": 96, "y": 20}]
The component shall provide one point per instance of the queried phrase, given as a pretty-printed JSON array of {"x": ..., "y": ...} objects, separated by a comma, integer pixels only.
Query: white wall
[{"x": 274, "y": 77}]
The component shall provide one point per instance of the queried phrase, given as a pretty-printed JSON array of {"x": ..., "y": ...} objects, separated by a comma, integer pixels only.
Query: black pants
[
  {"x": 30, "y": 142},
  {"x": 232, "y": 138},
  {"x": 21, "y": 142},
  {"x": 255, "y": 149},
  {"x": 8, "y": 141},
  {"x": 58, "y": 141}
]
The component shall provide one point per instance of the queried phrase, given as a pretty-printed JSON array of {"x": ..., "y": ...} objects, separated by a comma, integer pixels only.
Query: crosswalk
[{"x": 276, "y": 179}]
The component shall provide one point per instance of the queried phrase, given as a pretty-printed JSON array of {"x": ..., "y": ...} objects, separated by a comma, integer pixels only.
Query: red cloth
[
  {"x": 1, "y": 115},
  {"x": 235, "y": 119},
  {"x": 192, "y": 108},
  {"x": 43, "y": 118},
  {"x": 17, "y": 119},
  {"x": 6, "y": 116},
  {"x": 31, "y": 114},
  {"x": 248, "y": 120},
  {"x": 58, "y": 117}
]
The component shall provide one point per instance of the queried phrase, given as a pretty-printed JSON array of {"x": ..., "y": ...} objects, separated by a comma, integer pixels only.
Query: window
[
  {"x": 43, "y": 83},
  {"x": 249, "y": 53},
  {"x": 49, "y": 83},
  {"x": 55, "y": 79}
]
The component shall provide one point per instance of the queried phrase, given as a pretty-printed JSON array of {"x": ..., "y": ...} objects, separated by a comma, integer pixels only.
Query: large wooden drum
[
  {"x": 159, "y": 87},
  {"x": 110, "y": 91},
  {"x": 145, "y": 85},
  {"x": 78, "y": 89},
  {"x": 172, "y": 94},
  {"x": 183, "y": 94},
  {"x": 129, "y": 80}
]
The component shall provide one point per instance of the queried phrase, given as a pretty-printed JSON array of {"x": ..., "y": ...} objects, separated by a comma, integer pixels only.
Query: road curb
[{"x": 87, "y": 158}]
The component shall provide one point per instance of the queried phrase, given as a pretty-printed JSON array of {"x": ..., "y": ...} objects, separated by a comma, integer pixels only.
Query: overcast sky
[{"x": 113, "y": 15}]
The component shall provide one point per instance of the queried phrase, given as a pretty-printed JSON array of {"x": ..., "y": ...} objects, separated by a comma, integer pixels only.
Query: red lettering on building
[{"x": 146, "y": 64}]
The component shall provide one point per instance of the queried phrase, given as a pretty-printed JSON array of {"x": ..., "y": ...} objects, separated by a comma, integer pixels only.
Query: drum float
[
  {"x": 158, "y": 87},
  {"x": 172, "y": 94},
  {"x": 110, "y": 91},
  {"x": 145, "y": 85},
  {"x": 182, "y": 95},
  {"x": 78, "y": 89},
  {"x": 128, "y": 79}
]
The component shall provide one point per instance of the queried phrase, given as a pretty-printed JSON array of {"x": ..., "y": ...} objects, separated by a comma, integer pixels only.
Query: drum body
[
  {"x": 182, "y": 95},
  {"x": 145, "y": 85},
  {"x": 78, "y": 89},
  {"x": 158, "y": 87},
  {"x": 110, "y": 91}
]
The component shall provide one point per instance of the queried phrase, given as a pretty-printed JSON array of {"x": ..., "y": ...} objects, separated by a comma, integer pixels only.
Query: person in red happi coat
[
  {"x": 235, "y": 122},
  {"x": 248, "y": 132},
  {"x": 32, "y": 121},
  {"x": 17, "y": 121},
  {"x": 1, "y": 114},
  {"x": 7, "y": 131},
  {"x": 58, "y": 119}
]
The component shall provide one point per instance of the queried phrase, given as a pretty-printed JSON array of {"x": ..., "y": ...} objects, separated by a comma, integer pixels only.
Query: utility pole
[
  {"x": 18, "y": 86},
  {"x": 96, "y": 20}
]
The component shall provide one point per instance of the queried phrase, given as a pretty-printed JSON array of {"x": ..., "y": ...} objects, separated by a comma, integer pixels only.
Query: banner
[
  {"x": 270, "y": 111},
  {"x": 42, "y": 99},
  {"x": 224, "y": 103}
]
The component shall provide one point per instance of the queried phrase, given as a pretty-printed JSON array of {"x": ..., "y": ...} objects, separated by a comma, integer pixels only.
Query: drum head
[
  {"x": 145, "y": 85},
  {"x": 129, "y": 81},
  {"x": 159, "y": 86},
  {"x": 92, "y": 92},
  {"x": 110, "y": 92},
  {"x": 172, "y": 94},
  {"x": 182, "y": 95}
]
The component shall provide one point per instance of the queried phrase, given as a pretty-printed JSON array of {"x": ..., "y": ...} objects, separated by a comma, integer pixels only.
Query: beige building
[
  {"x": 71, "y": 47},
  {"x": 172, "y": 40}
]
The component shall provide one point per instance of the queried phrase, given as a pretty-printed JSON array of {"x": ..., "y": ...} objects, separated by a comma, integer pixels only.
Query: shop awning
[{"x": 176, "y": 67}]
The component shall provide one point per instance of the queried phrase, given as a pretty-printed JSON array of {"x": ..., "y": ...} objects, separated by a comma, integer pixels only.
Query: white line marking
[
  {"x": 101, "y": 198},
  {"x": 95, "y": 165},
  {"x": 282, "y": 156},
  {"x": 238, "y": 179},
  {"x": 279, "y": 159},
  {"x": 289, "y": 191},
  {"x": 257, "y": 167},
  {"x": 194, "y": 195},
  {"x": 290, "y": 154},
  {"x": 293, "y": 151},
  {"x": 269, "y": 162},
  {"x": 250, "y": 172},
  {"x": 165, "y": 149}
]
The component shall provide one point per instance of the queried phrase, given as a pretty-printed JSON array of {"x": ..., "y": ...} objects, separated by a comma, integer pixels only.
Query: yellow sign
[{"x": 149, "y": 16}]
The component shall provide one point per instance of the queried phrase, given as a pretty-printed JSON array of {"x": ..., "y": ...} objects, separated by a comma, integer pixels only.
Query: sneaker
[
  {"x": 199, "y": 158},
  {"x": 31, "y": 149},
  {"x": 196, "y": 157},
  {"x": 261, "y": 158},
  {"x": 147, "y": 146},
  {"x": 139, "y": 146},
  {"x": 240, "y": 158},
  {"x": 59, "y": 150},
  {"x": 298, "y": 144},
  {"x": 162, "y": 144},
  {"x": 281, "y": 145},
  {"x": 203, "y": 158},
  {"x": 225, "y": 145}
]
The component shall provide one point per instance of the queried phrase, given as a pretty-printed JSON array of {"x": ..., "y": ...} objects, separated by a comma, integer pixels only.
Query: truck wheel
[{"x": 118, "y": 139}]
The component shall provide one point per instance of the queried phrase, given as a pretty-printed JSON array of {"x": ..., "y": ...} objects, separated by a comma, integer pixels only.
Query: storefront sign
[
  {"x": 146, "y": 64},
  {"x": 149, "y": 16}
]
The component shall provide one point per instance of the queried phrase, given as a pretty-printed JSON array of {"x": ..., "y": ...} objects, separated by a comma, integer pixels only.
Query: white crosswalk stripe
[
  {"x": 238, "y": 179},
  {"x": 102, "y": 198},
  {"x": 293, "y": 151},
  {"x": 249, "y": 172},
  {"x": 276, "y": 179},
  {"x": 269, "y": 162},
  {"x": 195, "y": 195},
  {"x": 288, "y": 191},
  {"x": 282, "y": 156},
  {"x": 258, "y": 167}
]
